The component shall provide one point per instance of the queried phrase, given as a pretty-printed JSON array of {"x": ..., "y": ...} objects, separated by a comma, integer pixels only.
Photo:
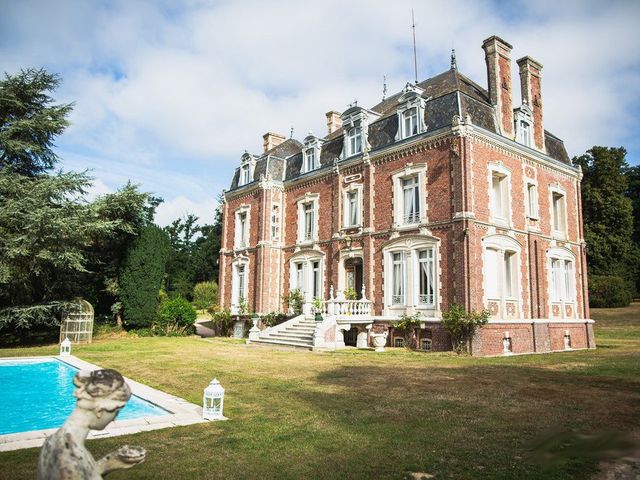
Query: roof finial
[
  {"x": 454, "y": 64},
  {"x": 384, "y": 87},
  {"x": 291, "y": 135}
]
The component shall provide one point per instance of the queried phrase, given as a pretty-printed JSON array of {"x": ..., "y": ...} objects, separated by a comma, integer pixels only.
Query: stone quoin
[{"x": 442, "y": 193}]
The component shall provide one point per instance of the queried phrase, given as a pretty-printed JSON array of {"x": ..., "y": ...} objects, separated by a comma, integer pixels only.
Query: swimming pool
[{"x": 37, "y": 394}]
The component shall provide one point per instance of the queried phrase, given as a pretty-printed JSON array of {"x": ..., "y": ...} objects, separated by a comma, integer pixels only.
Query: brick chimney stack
[
  {"x": 334, "y": 121},
  {"x": 272, "y": 140},
  {"x": 498, "y": 56},
  {"x": 530, "y": 85}
]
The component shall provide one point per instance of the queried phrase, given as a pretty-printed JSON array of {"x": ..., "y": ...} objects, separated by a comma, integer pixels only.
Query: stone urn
[{"x": 379, "y": 340}]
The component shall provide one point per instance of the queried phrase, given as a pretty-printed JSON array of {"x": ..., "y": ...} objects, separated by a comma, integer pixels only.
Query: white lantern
[
  {"x": 65, "y": 347},
  {"x": 213, "y": 401}
]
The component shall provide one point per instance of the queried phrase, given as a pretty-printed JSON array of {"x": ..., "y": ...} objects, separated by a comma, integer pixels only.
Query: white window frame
[
  {"x": 558, "y": 231},
  {"x": 507, "y": 289},
  {"x": 310, "y": 277},
  {"x": 427, "y": 341},
  {"x": 562, "y": 280},
  {"x": 411, "y": 98},
  {"x": 531, "y": 199},
  {"x": 523, "y": 125},
  {"x": 247, "y": 166},
  {"x": 407, "y": 250},
  {"x": 347, "y": 217},
  {"x": 420, "y": 172},
  {"x": 236, "y": 265},
  {"x": 311, "y": 154},
  {"x": 239, "y": 241},
  {"x": 313, "y": 200},
  {"x": 354, "y": 140},
  {"x": 500, "y": 215},
  {"x": 275, "y": 222}
]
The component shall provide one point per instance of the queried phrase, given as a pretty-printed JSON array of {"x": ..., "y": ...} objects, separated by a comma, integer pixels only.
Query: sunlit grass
[{"x": 359, "y": 414}]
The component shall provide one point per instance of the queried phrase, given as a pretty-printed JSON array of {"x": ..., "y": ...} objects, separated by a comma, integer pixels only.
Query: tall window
[
  {"x": 245, "y": 172},
  {"x": 558, "y": 203},
  {"x": 275, "y": 222},
  {"x": 317, "y": 279},
  {"x": 351, "y": 209},
  {"x": 242, "y": 230},
  {"x": 398, "y": 279},
  {"x": 411, "y": 199},
  {"x": 308, "y": 221},
  {"x": 499, "y": 197},
  {"x": 241, "y": 282},
  {"x": 426, "y": 277},
  {"x": 500, "y": 274},
  {"x": 354, "y": 137},
  {"x": 409, "y": 122},
  {"x": 310, "y": 160},
  {"x": 524, "y": 132},
  {"x": 562, "y": 280},
  {"x": 299, "y": 277},
  {"x": 532, "y": 201}
]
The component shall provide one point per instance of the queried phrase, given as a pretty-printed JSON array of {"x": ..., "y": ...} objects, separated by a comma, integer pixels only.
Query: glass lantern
[
  {"x": 65, "y": 347},
  {"x": 213, "y": 400}
]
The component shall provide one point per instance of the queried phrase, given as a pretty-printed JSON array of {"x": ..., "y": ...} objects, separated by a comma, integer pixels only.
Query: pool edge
[{"x": 181, "y": 412}]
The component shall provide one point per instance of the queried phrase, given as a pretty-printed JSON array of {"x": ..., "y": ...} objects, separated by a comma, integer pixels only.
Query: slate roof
[{"x": 447, "y": 94}]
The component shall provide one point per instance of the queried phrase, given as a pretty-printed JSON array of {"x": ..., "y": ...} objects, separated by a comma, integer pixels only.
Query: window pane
[
  {"x": 426, "y": 280},
  {"x": 509, "y": 274},
  {"x": 316, "y": 279},
  {"x": 492, "y": 280},
  {"x": 497, "y": 196},
  {"x": 398, "y": 279}
]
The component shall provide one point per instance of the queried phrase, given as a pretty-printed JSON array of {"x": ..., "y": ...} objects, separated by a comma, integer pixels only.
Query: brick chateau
[{"x": 442, "y": 193}]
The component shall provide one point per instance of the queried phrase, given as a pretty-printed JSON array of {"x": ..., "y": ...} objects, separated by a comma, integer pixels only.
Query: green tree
[
  {"x": 205, "y": 295},
  {"x": 141, "y": 277},
  {"x": 608, "y": 214},
  {"x": 462, "y": 326},
  {"x": 29, "y": 122}
]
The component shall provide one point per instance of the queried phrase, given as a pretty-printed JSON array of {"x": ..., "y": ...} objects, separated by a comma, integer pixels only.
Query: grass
[{"x": 358, "y": 414}]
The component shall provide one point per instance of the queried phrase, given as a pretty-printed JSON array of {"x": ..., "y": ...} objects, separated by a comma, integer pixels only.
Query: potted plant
[{"x": 317, "y": 306}]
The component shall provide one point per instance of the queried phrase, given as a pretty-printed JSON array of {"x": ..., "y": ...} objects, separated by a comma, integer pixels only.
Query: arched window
[
  {"x": 501, "y": 276},
  {"x": 239, "y": 283},
  {"x": 562, "y": 282}
]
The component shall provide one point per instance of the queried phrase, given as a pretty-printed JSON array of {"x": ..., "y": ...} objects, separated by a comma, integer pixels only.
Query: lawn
[{"x": 359, "y": 414}]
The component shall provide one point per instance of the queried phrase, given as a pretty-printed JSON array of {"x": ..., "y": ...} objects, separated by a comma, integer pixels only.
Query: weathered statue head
[{"x": 103, "y": 392}]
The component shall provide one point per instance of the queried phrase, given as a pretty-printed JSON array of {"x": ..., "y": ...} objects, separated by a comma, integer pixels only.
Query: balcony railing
[
  {"x": 347, "y": 308},
  {"x": 413, "y": 217}
]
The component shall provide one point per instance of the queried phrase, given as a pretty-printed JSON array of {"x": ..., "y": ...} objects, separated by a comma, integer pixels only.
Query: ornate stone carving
[{"x": 101, "y": 395}]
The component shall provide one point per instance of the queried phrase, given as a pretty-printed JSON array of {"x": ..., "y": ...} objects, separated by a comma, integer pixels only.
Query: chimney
[
  {"x": 498, "y": 56},
  {"x": 530, "y": 85},
  {"x": 272, "y": 140},
  {"x": 334, "y": 121}
]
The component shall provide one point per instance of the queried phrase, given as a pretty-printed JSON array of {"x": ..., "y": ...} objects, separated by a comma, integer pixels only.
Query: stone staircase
[{"x": 297, "y": 332}]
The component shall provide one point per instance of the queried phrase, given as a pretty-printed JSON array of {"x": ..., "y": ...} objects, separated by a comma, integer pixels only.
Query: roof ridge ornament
[{"x": 454, "y": 63}]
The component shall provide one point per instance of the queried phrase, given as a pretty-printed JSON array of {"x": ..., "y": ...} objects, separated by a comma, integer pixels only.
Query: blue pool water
[{"x": 38, "y": 393}]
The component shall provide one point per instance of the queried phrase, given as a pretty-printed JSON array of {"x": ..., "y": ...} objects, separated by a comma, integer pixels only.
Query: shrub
[
  {"x": 408, "y": 325},
  {"x": 205, "y": 294},
  {"x": 273, "y": 318},
  {"x": 222, "y": 321},
  {"x": 608, "y": 292},
  {"x": 294, "y": 300},
  {"x": 462, "y": 325},
  {"x": 178, "y": 311}
]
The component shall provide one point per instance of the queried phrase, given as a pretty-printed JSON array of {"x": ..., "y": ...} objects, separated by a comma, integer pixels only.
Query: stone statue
[{"x": 101, "y": 394}]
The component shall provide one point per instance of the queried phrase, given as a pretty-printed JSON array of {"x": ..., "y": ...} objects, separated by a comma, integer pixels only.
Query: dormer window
[
  {"x": 410, "y": 121},
  {"x": 522, "y": 123},
  {"x": 410, "y": 112},
  {"x": 311, "y": 153},
  {"x": 355, "y": 122},
  {"x": 354, "y": 141},
  {"x": 248, "y": 163},
  {"x": 310, "y": 159}
]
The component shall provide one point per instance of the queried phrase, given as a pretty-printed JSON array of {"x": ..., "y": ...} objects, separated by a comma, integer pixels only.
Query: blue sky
[{"x": 170, "y": 94}]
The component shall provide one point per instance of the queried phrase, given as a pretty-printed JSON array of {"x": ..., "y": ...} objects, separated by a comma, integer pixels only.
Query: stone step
[
  {"x": 291, "y": 343},
  {"x": 289, "y": 335}
]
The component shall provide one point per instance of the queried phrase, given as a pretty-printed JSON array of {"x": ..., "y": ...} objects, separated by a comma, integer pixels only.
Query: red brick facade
[{"x": 461, "y": 165}]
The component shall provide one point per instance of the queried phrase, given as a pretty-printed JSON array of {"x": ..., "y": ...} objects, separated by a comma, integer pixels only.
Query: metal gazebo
[{"x": 77, "y": 322}]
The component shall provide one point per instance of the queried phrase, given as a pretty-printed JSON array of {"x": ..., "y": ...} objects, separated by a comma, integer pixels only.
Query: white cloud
[
  {"x": 169, "y": 95},
  {"x": 180, "y": 207}
]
